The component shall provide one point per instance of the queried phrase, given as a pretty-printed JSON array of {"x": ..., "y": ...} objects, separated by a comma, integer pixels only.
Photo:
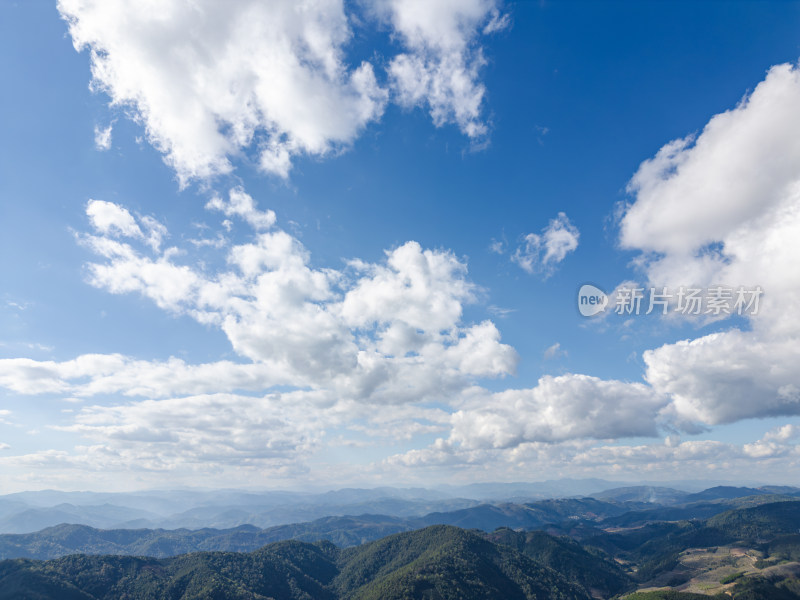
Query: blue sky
[{"x": 257, "y": 245}]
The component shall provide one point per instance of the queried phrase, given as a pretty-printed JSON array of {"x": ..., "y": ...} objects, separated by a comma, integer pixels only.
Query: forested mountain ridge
[{"x": 435, "y": 562}]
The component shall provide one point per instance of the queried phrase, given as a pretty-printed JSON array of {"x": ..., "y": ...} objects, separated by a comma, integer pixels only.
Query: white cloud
[
  {"x": 110, "y": 218},
  {"x": 559, "y": 408},
  {"x": 169, "y": 285},
  {"x": 223, "y": 434},
  {"x": 105, "y": 374},
  {"x": 441, "y": 66},
  {"x": 784, "y": 433},
  {"x": 554, "y": 351},
  {"x": 156, "y": 232},
  {"x": 214, "y": 81},
  {"x": 343, "y": 343},
  {"x": 217, "y": 242},
  {"x": 724, "y": 209},
  {"x": 216, "y": 429},
  {"x": 402, "y": 422},
  {"x": 497, "y": 246},
  {"x": 716, "y": 379},
  {"x": 695, "y": 193},
  {"x": 102, "y": 137},
  {"x": 777, "y": 443},
  {"x": 729, "y": 376},
  {"x": 541, "y": 253},
  {"x": 210, "y": 80},
  {"x": 499, "y": 311},
  {"x": 424, "y": 289},
  {"x": 767, "y": 459},
  {"x": 386, "y": 333},
  {"x": 241, "y": 204}
]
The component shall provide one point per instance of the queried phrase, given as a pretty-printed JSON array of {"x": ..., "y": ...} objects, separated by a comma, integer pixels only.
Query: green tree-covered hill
[{"x": 438, "y": 562}]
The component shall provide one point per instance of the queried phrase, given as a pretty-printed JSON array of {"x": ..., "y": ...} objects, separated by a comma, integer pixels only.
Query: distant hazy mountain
[
  {"x": 525, "y": 516},
  {"x": 538, "y": 490},
  {"x": 692, "y": 510},
  {"x": 722, "y": 492},
  {"x": 225, "y": 509},
  {"x": 104, "y": 515},
  {"x": 31, "y": 511},
  {"x": 642, "y": 493},
  {"x": 64, "y": 539},
  {"x": 21, "y": 518}
]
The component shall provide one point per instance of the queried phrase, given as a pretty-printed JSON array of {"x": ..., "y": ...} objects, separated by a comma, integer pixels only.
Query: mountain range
[
  {"x": 646, "y": 542},
  {"x": 652, "y": 562},
  {"x": 28, "y": 512}
]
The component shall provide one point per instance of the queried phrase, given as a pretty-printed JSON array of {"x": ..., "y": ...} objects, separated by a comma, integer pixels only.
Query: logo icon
[{"x": 591, "y": 300}]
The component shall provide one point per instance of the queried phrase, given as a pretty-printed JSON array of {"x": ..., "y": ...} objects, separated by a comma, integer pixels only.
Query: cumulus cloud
[
  {"x": 784, "y": 433},
  {"x": 541, "y": 253},
  {"x": 554, "y": 421},
  {"x": 392, "y": 333},
  {"x": 221, "y": 434},
  {"x": 241, "y": 204},
  {"x": 113, "y": 220},
  {"x": 334, "y": 344},
  {"x": 213, "y": 81},
  {"x": 423, "y": 289},
  {"x": 581, "y": 458},
  {"x": 724, "y": 209},
  {"x": 698, "y": 191},
  {"x": 440, "y": 68},
  {"x": 217, "y": 429},
  {"x": 728, "y": 376},
  {"x": 721, "y": 209},
  {"x": 210, "y": 80},
  {"x": 216, "y": 436},
  {"x": 777, "y": 443},
  {"x": 388, "y": 332},
  {"x": 110, "y": 218},
  {"x": 167, "y": 284},
  {"x": 559, "y": 408}
]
